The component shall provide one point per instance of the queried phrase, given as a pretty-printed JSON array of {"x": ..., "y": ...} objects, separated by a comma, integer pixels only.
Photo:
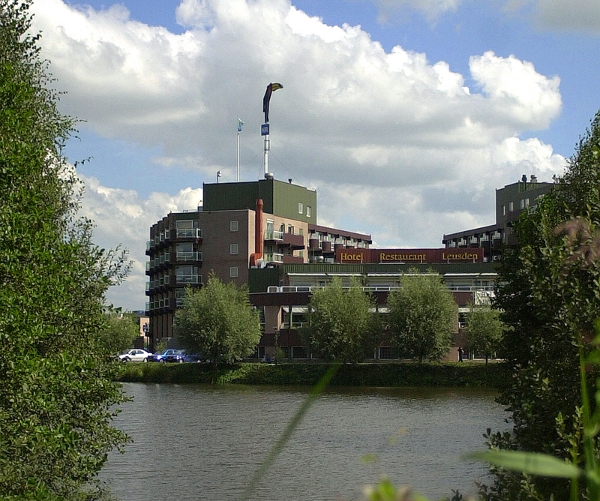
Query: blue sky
[{"x": 404, "y": 115}]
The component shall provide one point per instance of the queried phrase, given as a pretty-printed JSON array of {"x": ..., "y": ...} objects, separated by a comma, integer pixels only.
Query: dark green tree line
[{"x": 56, "y": 394}]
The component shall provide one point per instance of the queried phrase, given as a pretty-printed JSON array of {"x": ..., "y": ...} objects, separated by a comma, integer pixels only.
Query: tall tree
[
  {"x": 548, "y": 292},
  {"x": 484, "y": 330},
  {"x": 57, "y": 395},
  {"x": 342, "y": 322},
  {"x": 422, "y": 316},
  {"x": 119, "y": 332},
  {"x": 218, "y": 321}
]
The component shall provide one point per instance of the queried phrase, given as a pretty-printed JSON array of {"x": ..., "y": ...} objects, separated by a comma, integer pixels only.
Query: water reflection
[{"x": 205, "y": 442}]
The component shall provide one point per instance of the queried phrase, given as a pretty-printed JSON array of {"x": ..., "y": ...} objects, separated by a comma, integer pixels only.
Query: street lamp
[{"x": 218, "y": 175}]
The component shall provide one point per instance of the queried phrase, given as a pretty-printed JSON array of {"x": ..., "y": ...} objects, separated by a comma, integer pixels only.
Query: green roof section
[
  {"x": 260, "y": 279},
  {"x": 279, "y": 198}
]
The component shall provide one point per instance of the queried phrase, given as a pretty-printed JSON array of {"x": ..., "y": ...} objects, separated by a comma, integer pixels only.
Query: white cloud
[
  {"x": 395, "y": 145},
  {"x": 560, "y": 15},
  {"x": 430, "y": 9},
  {"x": 519, "y": 93},
  {"x": 572, "y": 15}
]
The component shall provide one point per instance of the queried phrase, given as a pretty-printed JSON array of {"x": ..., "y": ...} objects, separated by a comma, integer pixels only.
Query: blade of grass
[
  {"x": 289, "y": 430},
  {"x": 529, "y": 462}
]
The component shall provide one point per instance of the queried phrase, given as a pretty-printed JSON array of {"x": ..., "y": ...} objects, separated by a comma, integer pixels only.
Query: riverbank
[{"x": 408, "y": 374}]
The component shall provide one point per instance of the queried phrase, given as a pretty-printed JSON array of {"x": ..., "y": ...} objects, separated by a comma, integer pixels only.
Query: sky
[{"x": 404, "y": 115}]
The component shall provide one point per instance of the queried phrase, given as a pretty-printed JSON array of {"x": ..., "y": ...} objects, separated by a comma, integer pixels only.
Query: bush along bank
[{"x": 409, "y": 374}]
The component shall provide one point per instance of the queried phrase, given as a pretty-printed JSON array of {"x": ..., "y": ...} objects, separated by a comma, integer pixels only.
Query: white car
[{"x": 136, "y": 355}]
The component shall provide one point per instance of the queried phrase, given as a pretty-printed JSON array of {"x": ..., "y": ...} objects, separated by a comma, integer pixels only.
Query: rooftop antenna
[
  {"x": 240, "y": 123},
  {"x": 264, "y": 130}
]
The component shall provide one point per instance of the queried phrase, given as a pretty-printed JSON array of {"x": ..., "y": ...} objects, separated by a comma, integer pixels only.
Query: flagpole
[
  {"x": 264, "y": 131},
  {"x": 240, "y": 123},
  {"x": 267, "y": 147}
]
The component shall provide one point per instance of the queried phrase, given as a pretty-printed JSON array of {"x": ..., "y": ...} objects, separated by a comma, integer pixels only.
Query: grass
[{"x": 408, "y": 374}]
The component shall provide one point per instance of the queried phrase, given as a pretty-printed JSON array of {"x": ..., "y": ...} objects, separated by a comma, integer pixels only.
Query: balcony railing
[
  {"x": 274, "y": 257},
  {"x": 274, "y": 235},
  {"x": 189, "y": 232},
  {"x": 189, "y": 256},
  {"x": 189, "y": 279},
  {"x": 271, "y": 289}
]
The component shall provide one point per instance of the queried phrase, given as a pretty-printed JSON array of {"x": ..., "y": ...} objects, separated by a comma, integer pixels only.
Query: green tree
[
  {"x": 422, "y": 316},
  {"x": 57, "y": 396},
  {"x": 118, "y": 333},
  {"x": 218, "y": 321},
  {"x": 484, "y": 330},
  {"x": 548, "y": 292},
  {"x": 342, "y": 324}
]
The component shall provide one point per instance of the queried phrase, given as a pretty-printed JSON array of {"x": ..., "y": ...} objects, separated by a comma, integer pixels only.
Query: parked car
[
  {"x": 160, "y": 357},
  {"x": 181, "y": 356},
  {"x": 135, "y": 355}
]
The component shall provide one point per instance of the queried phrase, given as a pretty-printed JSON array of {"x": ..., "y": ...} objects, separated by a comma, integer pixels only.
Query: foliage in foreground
[
  {"x": 57, "y": 393},
  {"x": 218, "y": 321},
  {"x": 341, "y": 323},
  {"x": 422, "y": 314},
  {"x": 550, "y": 297}
]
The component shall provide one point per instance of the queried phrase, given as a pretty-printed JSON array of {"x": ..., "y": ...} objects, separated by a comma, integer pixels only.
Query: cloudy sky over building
[{"x": 404, "y": 115}]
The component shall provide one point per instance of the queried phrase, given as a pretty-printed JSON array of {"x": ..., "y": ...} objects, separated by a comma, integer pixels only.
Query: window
[
  {"x": 522, "y": 204},
  {"x": 308, "y": 211},
  {"x": 504, "y": 210},
  {"x": 511, "y": 206},
  {"x": 290, "y": 229},
  {"x": 300, "y": 208},
  {"x": 233, "y": 249},
  {"x": 233, "y": 226},
  {"x": 233, "y": 271}
]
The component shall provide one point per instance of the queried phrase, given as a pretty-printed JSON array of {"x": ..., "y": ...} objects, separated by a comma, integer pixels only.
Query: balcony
[
  {"x": 273, "y": 235},
  {"x": 188, "y": 279},
  {"x": 280, "y": 238},
  {"x": 183, "y": 233},
  {"x": 189, "y": 256},
  {"x": 293, "y": 241},
  {"x": 274, "y": 257}
]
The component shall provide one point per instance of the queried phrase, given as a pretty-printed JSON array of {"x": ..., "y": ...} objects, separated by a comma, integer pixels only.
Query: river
[{"x": 198, "y": 442}]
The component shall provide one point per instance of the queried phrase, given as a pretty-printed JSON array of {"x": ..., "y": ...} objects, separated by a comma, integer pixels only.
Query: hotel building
[{"x": 265, "y": 234}]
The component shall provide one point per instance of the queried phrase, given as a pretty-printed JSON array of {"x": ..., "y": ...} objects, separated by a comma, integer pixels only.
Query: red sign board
[{"x": 408, "y": 256}]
